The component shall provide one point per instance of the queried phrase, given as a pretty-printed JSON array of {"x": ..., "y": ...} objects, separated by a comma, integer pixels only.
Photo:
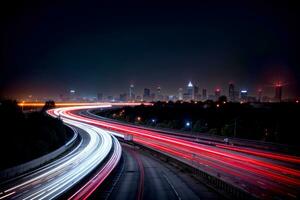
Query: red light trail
[{"x": 264, "y": 174}]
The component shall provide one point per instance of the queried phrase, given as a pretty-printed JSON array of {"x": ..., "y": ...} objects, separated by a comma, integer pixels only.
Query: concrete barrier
[
  {"x": 33, "y": 164},
  {"x": 225, "y": 189}
]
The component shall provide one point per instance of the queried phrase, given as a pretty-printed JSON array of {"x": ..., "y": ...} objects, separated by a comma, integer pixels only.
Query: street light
[{"x": 188, "y": 124}]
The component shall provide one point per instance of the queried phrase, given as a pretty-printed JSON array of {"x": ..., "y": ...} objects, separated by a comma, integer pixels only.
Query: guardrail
[
  {"x": 33, "y": 164},
  {"x": 224, "y": 188}
]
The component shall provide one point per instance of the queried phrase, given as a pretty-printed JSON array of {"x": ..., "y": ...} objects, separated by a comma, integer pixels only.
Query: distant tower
[
  {"x": 158, "y": 90},
  {"x": 146, "y": 95},
  {"x": 196, "y": 93},
  {"x": 259, "y": 95},
  {"x": 180, "y": 94},
  {"x": 159, "y": 96},
  {"x": 204, "y": 94},
  {"x": 278, "y": 92},
  {"x": 190, "y": 91},
  {"x": 131, "y": 93},
  {"x": 244, "y": 95},
  {"x": 217, "y": 93},
  {"x": 231, "y": 93},
  {"x": 72, "y": 95}
]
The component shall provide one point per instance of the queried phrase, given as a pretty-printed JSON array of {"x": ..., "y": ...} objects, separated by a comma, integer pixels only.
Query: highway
[
  {"x": 145, "y": 177},
  {"x": 97, "y": 148},
  {"x": 264, "y": 174}
]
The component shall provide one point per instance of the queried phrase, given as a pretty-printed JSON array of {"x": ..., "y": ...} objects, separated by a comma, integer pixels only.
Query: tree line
[
  {"x": 27, "y": 136},
  {"x": 272, "y": 122}
]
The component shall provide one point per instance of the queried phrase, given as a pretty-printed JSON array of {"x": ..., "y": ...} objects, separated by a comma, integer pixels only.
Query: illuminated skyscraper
[
  {"x": 180, "y": 94},
  {"x": 190, "y": 91},
  {"x": 131, "y": 93},
  {"x": 217, "y": 93},
  {"x": 159, "y": 96},
  {"x": 278, "y": 92},
  {"x": 244, "y": 95},
  {"x": 73, "y": 95}
]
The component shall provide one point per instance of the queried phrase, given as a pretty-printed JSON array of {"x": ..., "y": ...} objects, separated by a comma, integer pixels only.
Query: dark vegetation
[
  {"x": 27, "y": 136},
  {"x": 272, "y": 122}
]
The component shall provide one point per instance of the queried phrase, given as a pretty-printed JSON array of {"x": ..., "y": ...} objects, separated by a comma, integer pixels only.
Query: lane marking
[
  {"x": 9, "y": 194},
  {"x": 172, "y": 186}
]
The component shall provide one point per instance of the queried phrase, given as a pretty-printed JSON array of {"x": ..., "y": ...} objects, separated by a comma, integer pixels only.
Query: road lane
[
  {"x": 161, "y": 181},
  {"x": 261, "y": 173},
  {"x": 64, "y": 173}
]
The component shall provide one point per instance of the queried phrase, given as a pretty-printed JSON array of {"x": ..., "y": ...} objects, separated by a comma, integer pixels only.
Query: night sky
[{"x": 50, "y": 48}]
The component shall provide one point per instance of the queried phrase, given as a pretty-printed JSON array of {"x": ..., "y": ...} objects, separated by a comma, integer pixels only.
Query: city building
[
  {"x": 259, "y": 95},
  {"x": 190, "y": 92},
  {"x": 204, "y": 94},
  {"x": 244, "y": 95},
  {"x": 72, "y": 95},
  {"x": 159, "y": 96},
  {"x": 180, "y": 94},
  {"x": 278, "y": 92},
  {"x": 217, "y": 93},
  {"x": 152, "y": 96},
  {"x": 131, "y": 93},
  {"x": 146, "y": 95},
  {"x": 231, "y": 92},
  {"x": 110, "y": 98},
  {"x": 123, "y": 97},
  {"x": 196, "y": 94}
]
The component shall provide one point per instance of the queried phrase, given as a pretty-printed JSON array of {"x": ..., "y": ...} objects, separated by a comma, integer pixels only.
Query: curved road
[
  {"x": 59, "y": 176},
  {"x": 264, "y": 174}
]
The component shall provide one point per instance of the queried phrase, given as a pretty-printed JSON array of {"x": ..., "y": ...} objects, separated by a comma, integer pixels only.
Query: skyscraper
[
  {"x": 180, "y": 94},
  {"x": 259, "y": 95},
  {"x": 190, "y": 91},
  {"x": 204, "y": 94},
  {"x": 159, "y": 96},
  {"x": 278, "y": 92},
  {"x": 231, "y": 92},
  {"x": 244, "y": 95},
  {"x": 146, "y": 95},
  {"x": 217, "y": 93},
  {"x": 196, "y": 93},
  {"x": 73, "y": 95},
  {"x": 131, "y": 93}
]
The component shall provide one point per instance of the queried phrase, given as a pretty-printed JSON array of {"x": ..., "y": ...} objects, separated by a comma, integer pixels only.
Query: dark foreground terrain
[{"x": 24, "y": 137}]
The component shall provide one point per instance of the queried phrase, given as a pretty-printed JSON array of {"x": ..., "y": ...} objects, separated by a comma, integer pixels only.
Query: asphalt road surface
[{"x": 146, "y": 177}]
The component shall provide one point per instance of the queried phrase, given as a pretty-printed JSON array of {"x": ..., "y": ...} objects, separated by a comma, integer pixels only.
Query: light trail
[
  {"x": 68, "y": 104},
  {"x": 261, "y": 173},
  {"x": 62, "y": 174}
]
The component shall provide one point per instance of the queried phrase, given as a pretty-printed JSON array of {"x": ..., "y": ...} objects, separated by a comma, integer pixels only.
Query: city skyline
[{"x": 189, "y": 92}]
